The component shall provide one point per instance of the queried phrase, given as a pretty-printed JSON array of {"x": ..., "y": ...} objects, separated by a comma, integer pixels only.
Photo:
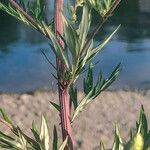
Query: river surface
[{"x": 23, "y": 67}]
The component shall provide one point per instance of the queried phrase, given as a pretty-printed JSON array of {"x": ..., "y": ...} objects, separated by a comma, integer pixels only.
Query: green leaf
[
  {"x": 99, "y": 47},
  {"x": 142, "y": 126},
  {"x": 55, "y": 139},
  {"x": 92, "y": 52},
  {"x": 102, "y": 7},
  {"x": 58, "y": 49},
  {"x": 88, "y": 82},
  {"x": 21, "y": 141},
  {"x": 22, "y": 4},
  {"x": 35, "y": 132},
  {"x": 118, "y": 144},
  {"x": 56, "y": 106},
  {"x": 64, "y": 144},
  {"x": 44, "y": 134},
  {"x": 112, "y": 77},
  {"x": 71, "y": 38},
  {"x": 84, "y": 25},
  {"x": 102, "y": 146},
  {"x": 94, "y": 91},
  {"x": 81, "y": 105},
  {"x": 2, "y": 135},
  {"x": 4, "y": 143},
  {"x": 73, "y": 96},
  {"x": 85, "y": 59},
  {"x": 38, "y": 9},
  {"x": 4, "y": 115}
]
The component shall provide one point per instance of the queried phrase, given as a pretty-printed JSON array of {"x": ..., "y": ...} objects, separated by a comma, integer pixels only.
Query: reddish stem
[
  {"x": 13, "y": 3},
  {"x": 64, "y": 98},
  {"x": 9, "y": 126},
  {"x": 6, "y": 123}
]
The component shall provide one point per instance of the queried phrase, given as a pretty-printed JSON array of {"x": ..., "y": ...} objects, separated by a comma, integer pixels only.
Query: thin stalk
[
  {"x": 14, "y": 3},
  {"x": 32, "y": 20},
  {"x": 64, "y": 98},
  {"x": 10, "y": 127},
  {"x": 6, "y": 123}
]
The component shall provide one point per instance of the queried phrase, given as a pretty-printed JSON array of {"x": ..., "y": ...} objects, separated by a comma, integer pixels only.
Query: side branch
[
  {"x": 9, "y": 126},
  {"x": 13, "y": 3},
  {"x": 6, "y": 123}
]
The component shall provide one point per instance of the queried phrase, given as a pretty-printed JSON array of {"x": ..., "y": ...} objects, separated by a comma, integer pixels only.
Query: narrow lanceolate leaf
[
  {"x": 102, "y": 146},
  {"x": 71, "y": 38},
  {"x": 6, "y": 141},
  {"x": 112, "y": 77},
  {"x": 73, "y": 97},
  {"x": 95, "y": 90},
  {"x": 88, "y": 82},
  {"x": 21, "y": 141},
  {"x": 44, "y": 134},
  {"x": 118, "y": 144},
  {"x": 55, "y": 106},
  {"x": 58, "y": 49},
  {"x": 85, "y": 59},
  {"x": 37, "y": 8},
  {"x": 4, "y": 115},
  {"x": 99, "y": 47},
  {"x": 92, "y": 52},
  {"x": 8, "y": 144},
  {"x": 55, "y": 139},
  {"x": 142, "y": 126},
  {"x": 84, "y": 25},
  {"x": 2, "y": 135},
  {"x": 35, "y": 132},
  {"x": 64, "y": 144},
  {"x": 81, "y": 105}
]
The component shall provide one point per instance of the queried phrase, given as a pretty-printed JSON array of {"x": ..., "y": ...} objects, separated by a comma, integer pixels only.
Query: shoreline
[
  {"x": 47, "y": 89},
  {"x": 94, "y": 124}
]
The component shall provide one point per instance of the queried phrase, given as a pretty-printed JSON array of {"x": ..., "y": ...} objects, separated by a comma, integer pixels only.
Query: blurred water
[{"x": 23, "y": 68}]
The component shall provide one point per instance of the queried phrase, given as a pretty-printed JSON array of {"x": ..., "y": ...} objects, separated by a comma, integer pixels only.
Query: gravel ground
[{"x": 96, "y": 123}]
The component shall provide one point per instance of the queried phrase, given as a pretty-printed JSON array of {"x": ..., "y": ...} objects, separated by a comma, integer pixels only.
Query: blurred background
[{"x": 23, "y": 68}]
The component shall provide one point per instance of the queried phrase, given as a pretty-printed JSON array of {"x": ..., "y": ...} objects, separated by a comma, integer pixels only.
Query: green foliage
[
  {"x": 91, "y": 90},
  {"x": 4, "y": 115},
  {"x": 140, "y": 140},
  {"x": 73, "y": 97},
  {"x": 101, "y": 7},
  {"x": 20, "y": 141},
  {"x": 55, "y": 106},
  {"x": 118, "y": 144},
  {"x": 38, "y": 9},
  {"x": 55, "y": 139}
]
